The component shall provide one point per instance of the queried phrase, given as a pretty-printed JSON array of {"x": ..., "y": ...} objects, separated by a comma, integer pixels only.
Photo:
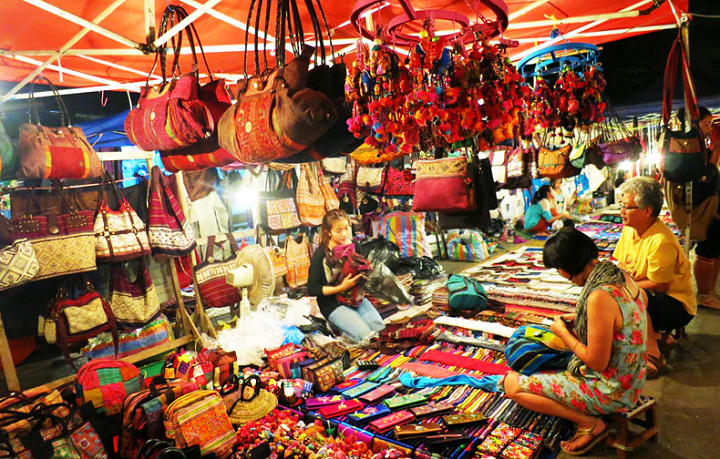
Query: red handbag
[
  {"x": 170, "y": 115},
  {"x": 169, "y": 232},
  {"x": 214, "y": 290},
  {"x": 399, "y": 182},
  {"x": 443, "y": 185}
]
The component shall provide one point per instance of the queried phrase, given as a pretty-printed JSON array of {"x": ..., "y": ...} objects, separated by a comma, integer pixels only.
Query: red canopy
[{"x": 105, "y": 57}]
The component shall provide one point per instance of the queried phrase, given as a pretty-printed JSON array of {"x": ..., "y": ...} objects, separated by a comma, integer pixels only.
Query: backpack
[
  {"x": 533, "y": 348},
  {"x": 466, "y": 293}
]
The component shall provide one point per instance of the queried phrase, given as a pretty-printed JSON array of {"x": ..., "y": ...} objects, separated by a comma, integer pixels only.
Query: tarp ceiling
[{"x": 31, "y": 34}]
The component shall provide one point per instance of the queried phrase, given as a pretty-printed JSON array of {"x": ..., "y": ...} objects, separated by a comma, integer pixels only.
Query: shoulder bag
[
  {"x": 444, "y": 185},
  {"x": 398, "y": 182},
  {"x": 214, "y": 290},
  {"x": 331, "y": 200},
  {"x": 278, "y": 210},
  {"x": 334, "y": 165},
  {"x": 297, "y": 255},
  {"x": 106, "y": 383},
  {"x": 556, "y": 163},
  {"x": 370, "y": 179},
  {"x": 18, "y": 264},
  {"x": 133, "y": 301},
  {"x": 466, "y": 293},
  {"x": 277, "y": 258},
  {"x": 119, "y": 234},
  {"x": 533, "y": 348},
  {"x": 169, "y": 233},
  {"x": 310, "y": 199},
  {"x": 57, "y": 152}
]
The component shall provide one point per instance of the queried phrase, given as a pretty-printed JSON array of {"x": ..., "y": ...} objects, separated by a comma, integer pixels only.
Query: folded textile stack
[
  {"x": 440, "y": 298},
  {"x": 406, "y": 280},
  {"x": 422, "y": 290}
]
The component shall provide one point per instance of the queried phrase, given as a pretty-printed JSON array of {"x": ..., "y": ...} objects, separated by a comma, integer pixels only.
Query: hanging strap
[
  {"x": 32, "y": 108},
  {"x": 677, "y": 60}
]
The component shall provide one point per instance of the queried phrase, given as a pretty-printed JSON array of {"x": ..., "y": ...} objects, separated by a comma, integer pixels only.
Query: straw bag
[
  {"x": 310, "y": 200},
  {"x": 18, "y": 264},
  {"x": 199, "y": 418},
  {"x": 297, "y": 255},
  {"x": 169, "y": 232},
  {"x": 250, "y": 402}
]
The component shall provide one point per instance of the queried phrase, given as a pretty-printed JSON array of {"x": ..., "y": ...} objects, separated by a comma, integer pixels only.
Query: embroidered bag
[
  {"x": 297, "y": 255},
  {"x": 18, "y": 264},
  {"x": 444, "y": 185},
  {"x": 556, "y": 163},
  {"x": 210, "y": 275},
  {"x": 57, "y": 152},
  {"x": 199, "y": 418},
  {"x": 106, "y": 383},
  {"x": 278, "y": 210},
  {"x": 334, "y": 165},
  {"x": 277, "y": 258},
  {"x": 119, "y": 234},
  {"x": 133, "y": 299},
  {"x": 398, "y": 182},
  {"x": 370, "y": 179},
  {"x": 327, "y": 376},
  {"x": 169, "y": 232},
  {"x": 310, "y": 199},
  {"x": 331, "y": 200}
]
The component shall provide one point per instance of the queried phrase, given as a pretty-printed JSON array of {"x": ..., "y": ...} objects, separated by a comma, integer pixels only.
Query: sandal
[
  {"x": 660, "y": 367},
  {"x": 665, "y": 346},
  {"x": 594, "y": 439}
]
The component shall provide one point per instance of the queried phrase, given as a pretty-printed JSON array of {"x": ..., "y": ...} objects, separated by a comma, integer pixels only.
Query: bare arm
[{"x": 650, "y": 285}]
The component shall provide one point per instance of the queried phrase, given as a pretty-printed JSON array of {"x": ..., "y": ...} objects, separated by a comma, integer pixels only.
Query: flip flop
[
  {"x": 660, "y": 365},
  {"x": 594, "y": 439}
]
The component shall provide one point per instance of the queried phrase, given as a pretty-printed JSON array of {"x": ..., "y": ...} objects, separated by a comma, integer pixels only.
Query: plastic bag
[
  {"x": 380, "y": 250},
  {"x": 382, "y": 283},
  {"x": 420, "y": 267}
]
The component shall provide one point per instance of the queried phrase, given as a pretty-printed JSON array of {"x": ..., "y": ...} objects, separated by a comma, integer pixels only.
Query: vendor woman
[
  {"x": 541, "y": 213},
  {"x": 356, "y": 322},
  {"x": 607, "y": 339}
]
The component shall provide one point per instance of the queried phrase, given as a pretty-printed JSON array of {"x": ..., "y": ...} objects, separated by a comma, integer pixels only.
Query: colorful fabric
[
  {"x": 618, "y": 387},
  {"x": 466, "y": 245},
  {"x": 407, "y": 230},
  {"x": 157, "y": 332},
  {"x": 657, "y": 256},
  {"x": 469, "y": 363}
]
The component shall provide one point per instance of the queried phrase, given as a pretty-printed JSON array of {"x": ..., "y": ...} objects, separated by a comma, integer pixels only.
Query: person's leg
[
  {"x": 540, "y": 227},
  {"x": 706, "y": 277},
  {"x": 370, "y": 315},
  {"x": 349, "y": 322},
  {"x": 545, "y": 405}
]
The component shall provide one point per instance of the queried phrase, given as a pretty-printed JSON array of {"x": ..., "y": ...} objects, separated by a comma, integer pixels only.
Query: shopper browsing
[
  {"x": 607, "y": 371},
  {"x": 651, "y": 253},
  {"x": 561, "y": 203},
  {"x": 356, "y": 322},
  {"x": 539, "y": 215}
]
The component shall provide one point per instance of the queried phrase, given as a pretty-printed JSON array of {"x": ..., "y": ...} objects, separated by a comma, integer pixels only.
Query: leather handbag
[
  {"x": 63, "y": 243},
  {"x": 444, "y": 185},
  {"x": 310, "y": 199},
  {"x": 70, "y": 322},
  {"x": 331, "y": 200},
  {"x": 133, "y": 299},
  {"x": 119, "y": 234},
  {"x": 170, "y": 115},
  {"x": 55, "y": 152},
  {"x": 556, "y": 163},
  {"x": 398, "y": 182},
  {"x": 18, "y": 264},
  {"x": 199, "y": 418},
  {"x": 169, "y": 233},
  {"x": 334, "y": 165},
  {"x": 9, "y": 158},
  {"x": 684, "y": 155},
  {"x": 278, "y": 210},
  {"x": 370, "y": 179},
  {"x": 214, "y": 290},
  {"x": 616, "y": 151},
  {"x": 297, "y": 255}
]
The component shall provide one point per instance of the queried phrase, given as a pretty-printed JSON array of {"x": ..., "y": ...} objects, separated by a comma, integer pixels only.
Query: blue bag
[
  {"x": 533, "y": 348},
  {"x": 466, "y": 293}
]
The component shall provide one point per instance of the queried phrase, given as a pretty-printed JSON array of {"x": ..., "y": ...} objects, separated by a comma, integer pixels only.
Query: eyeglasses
[{"x": 628, "y": 208}]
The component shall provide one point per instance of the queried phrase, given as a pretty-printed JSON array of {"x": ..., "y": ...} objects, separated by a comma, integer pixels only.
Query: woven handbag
[
  {"x": 370, "y": 179},
  {"x": 106, "y": 383},
  {"x": 310, "y": 199},
  {"x": 297, "y": 255},
  {"x": 169, "y": 232},
  {"x": 55, "y": 152},
  {"x": 133, "y": 301},
  {"x": 277, "y": 257},
  {"x": 331, "y": 199},
  {"x": 250, "y": 402},
  {"x": 334, "y": 165},
  {"x": 278, "y": 210},
  {"x": 556, "y": 163},
  {"x": 119, "y": 234},
  {"x": 210, "y": 275},
  {"x": 18, "y": 264},
  {"x": 63, "y": 243},
  {"x": 199, "y": 418},
  {"x": 444, "y": 185}
]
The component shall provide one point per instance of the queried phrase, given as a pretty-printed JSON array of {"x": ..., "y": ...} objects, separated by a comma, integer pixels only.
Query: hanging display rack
[{"x": 554, "y": 59}]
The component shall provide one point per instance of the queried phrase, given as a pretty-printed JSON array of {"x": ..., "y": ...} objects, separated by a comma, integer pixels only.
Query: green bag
[
  {"x": 9, "y": 158},
  {"x": 466, "y": 293},
  {"x": 578, "y": 156}
]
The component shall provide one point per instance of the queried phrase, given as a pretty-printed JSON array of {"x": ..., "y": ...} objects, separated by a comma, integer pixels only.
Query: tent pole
[
  {"x": 86, "y": 76},
  {"x": 185, "y": 22},
  {"x": 149, "y": 22},
  {"x": 62, "y": 50},
  {"x": 232, "y": 21},
  {"x": 64, "y": 92},
  {"x": 575, "y": 20},
  {"x": 526, "y": 9}
]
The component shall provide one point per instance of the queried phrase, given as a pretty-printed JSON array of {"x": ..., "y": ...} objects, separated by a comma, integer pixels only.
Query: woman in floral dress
[{"x": 607, "y": 371}]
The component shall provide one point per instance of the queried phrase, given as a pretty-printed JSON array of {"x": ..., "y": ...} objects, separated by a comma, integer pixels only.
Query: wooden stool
[{"x": 624, "y": 440}]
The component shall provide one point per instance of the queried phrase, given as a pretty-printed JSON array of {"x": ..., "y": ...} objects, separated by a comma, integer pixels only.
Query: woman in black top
[{"x": 359, "y": 322}]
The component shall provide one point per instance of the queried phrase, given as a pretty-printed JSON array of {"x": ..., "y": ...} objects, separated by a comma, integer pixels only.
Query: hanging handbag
[
  {"x": 556, "y": 163},
  {"x": 69, "y": 322},
  {"x": 278, "y": 211},
  {"x": 18, "y": 264},
  {"x": 119, "y": 234},
  {"x": 277, "y": 258},
  {"x": 398, "y": 182},
  {"x": 700, "y": 217},
  {"x": 331, "y": 200},
  {"x": 684, "y": 155},
  {"x": 199, "y": 418},
  {"x": 370, "y": 179},
  {"x": 57, "y": 152},
  {"x": 170, "y": 115},
  {"x": 63, "y": 244},
  {"x": 297, "y": 255},
  {"x": 444, "y": 185},
  {"x": 134, "y": 303},
  {"x": 334, "y": 165},
  {"x": 310, "y": 199},
  {"x": 214, "y": 290},
  {"x": 169, "y": 232},
  {"x": 9, "y": 158}
]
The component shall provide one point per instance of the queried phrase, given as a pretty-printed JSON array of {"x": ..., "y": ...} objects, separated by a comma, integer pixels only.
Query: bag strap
[
  {"x": 32, "y": 108},
  {"x": 678, "y": 58}
]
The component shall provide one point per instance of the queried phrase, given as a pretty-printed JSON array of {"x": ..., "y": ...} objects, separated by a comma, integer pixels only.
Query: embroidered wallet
[
  {"x": 359, "y": 389},
  {"x": 369, "y": 413},
  {"x": 459, "y": 419},
  {"x": 348, "y": 406},
  {"x": 378, "y": 394},
  {"x": 432, "y": 409},
  {"x": 405, "y": 401},
  {"x": 325, "y": 400},
  {"x": 415, "y": 430},
  {"x": 387, "y": 423}
]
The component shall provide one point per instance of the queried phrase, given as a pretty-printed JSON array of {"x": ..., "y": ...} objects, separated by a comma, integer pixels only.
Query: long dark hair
[
  {"x": 328, "y": 221},
  {"x": 681, "y": 114},
  {"x": 541, "y": 194}
]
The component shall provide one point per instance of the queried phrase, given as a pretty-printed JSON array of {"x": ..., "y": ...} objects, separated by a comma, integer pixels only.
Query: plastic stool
[{"x": 625, "y": 440}]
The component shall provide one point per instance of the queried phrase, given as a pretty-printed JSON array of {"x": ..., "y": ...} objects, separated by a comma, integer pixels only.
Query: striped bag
[
  {"x": 310, "y": 199},
  {"x": 169, "y": 232},
  {"x": 533, "y": 348},
  {"x": 466, "y": 245},
  {"x": 407, "y": 230}
]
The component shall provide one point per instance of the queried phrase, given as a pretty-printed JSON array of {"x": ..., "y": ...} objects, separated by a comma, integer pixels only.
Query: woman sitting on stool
[
  {"x": 539, "y": 216},
  {"x": 607, "y": 371}
]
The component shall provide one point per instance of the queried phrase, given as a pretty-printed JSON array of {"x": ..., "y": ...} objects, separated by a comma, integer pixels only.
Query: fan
[{"x": 253, "y": 275}]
